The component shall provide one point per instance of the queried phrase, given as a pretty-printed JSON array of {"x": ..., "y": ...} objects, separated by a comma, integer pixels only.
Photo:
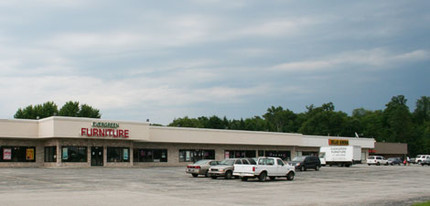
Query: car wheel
[
  {"x": 244, "y": 179},
  {"x": 206, "y": 174},
  {"x": 378, "y": 163},
  {"x": 194, "y": 175},
  {"x": 290, "y": 176},
  {"x": 214, "y": 177},
  {"x": 368, "y": 164},
  {"x": 262, "y": 177},
  {"x": 228, "y": 175}
]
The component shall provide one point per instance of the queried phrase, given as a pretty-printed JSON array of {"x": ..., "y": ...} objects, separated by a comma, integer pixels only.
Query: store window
[
  {"x": 17, "y": 154},
  {"x": 51, "y": 154},
  {"x": 239, "y": 153},
  {"x": 118, "y": 154},
  {"x": 195, "y": 155},
  {"x": 284, "y": 155},
  {"x": 150, "y": 155},
  {"x": 261, "y": 153},
  {"x": 74, "y": 154}
]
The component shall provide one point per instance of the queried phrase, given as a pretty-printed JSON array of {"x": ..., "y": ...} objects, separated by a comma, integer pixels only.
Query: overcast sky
[{"x": 160, "y": 60}]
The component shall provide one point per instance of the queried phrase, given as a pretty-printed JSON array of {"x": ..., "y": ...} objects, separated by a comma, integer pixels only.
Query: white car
[
  {"x": 421, "y": 158},
  {"x": 377, "y": 160}
]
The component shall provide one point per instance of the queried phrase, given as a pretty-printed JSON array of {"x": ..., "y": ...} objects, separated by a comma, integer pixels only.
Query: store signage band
[
  {"x": 105, "y": 129},
  {"x": 342, "y": 142}
]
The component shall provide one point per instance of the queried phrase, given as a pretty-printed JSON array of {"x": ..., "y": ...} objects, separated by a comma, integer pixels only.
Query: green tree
[
  {"x": 48, "y": 109},
  {"x": 237, "y": 124},
  {"x": 44, "y": 110},
  {"x": 422, "y": 110},
  {"x": 371, "y": 123},
  {"x": 398, "y": 120},
  {"x": 280, "y": 120},
  {"x": 255, "y": 124},
  {"x": 88, "y": 111},
  {"x": 215, "y": 122},
  {"x": 69, "y": 109},
  {"x": 324, "y": 121},
  {"x": 186, "y": 122}
]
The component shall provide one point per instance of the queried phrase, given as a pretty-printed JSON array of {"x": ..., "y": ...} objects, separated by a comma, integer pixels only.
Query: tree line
[
  {"x": 396, "y": 123},
  {"x": 48, "y": 109}
]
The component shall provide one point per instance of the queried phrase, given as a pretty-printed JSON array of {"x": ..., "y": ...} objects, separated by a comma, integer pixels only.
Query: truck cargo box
[{"x": 340, "y": 155}]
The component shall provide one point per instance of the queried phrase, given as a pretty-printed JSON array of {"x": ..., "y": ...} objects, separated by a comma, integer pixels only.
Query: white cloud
[
  {"x": 374, "y": 59},
  {"x": 115, "y": 94},
  {"x": 94, "y": 41},
  {"x": 277, "y": 27}
]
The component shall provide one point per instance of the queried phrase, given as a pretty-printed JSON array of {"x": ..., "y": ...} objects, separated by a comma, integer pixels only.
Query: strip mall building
[{"x": 84, "y": 142}]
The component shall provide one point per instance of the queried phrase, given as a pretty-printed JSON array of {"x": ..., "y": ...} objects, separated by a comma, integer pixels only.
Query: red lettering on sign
[
  {"x": 84, "y": 131},
  {"x": 98, "y": 132}
]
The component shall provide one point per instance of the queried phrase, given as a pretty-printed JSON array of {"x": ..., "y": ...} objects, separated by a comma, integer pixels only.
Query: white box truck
[{"x": 340, "y": 155}]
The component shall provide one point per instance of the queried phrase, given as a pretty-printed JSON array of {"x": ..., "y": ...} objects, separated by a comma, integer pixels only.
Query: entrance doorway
[{"x": 96, "y": 156}]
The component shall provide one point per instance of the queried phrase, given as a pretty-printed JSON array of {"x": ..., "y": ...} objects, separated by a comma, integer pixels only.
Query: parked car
[
  {"x": 425, "y": 161},
  {"x": 377, "y": 160},
  {"x": 303, "y": 163},
  {"x": 226, "y": 167},
  {"x": 271, "y": 167},
  {"x": 394, "y": 161},
  {"x": 420, "y": 158},
  {"x": 200, "y": 167}
]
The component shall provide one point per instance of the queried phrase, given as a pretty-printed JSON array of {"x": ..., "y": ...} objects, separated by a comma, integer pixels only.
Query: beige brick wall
[{"x": 29, "y": 143}]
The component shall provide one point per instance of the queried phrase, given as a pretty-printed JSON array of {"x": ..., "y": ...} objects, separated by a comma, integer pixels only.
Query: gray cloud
[{"x": 137, "y": 60}]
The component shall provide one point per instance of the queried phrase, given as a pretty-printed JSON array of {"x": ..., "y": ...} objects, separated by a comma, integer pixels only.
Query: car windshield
[
  {"x": 299, "y": 159},
  {"x": 201, "y": 162},
  {"x": 227, "y": 162}
]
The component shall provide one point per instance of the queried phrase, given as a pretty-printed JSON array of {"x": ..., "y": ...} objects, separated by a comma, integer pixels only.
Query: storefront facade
[
  {"x": 389, "y": 149},
  {"x": 84, "y": 142}
]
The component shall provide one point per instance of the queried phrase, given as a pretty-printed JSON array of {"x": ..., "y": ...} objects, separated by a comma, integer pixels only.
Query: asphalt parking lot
[{"x": 357, "y": 185}]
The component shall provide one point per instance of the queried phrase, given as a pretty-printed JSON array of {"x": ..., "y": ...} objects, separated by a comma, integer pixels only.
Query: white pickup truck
[{"x": 271, "y": 167}]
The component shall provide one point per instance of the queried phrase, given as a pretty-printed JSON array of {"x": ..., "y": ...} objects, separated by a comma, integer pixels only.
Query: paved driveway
[{"x": 358, "y": 185}]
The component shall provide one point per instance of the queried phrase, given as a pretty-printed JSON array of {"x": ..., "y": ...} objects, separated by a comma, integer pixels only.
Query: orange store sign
[
  {"x": 105, "y": 129},
  {"x": 342, "y": 142}
]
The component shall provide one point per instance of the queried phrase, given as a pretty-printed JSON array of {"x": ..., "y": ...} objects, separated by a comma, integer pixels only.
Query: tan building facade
[
  {"x": 390, "y": 149},
  {"x": 84, "y": 142}
]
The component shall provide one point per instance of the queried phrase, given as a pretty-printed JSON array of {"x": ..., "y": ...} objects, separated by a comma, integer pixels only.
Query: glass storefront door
[{"x": 96, "y": 156}]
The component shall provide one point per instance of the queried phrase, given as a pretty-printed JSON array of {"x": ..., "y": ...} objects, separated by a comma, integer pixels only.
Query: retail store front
[{"x": 85, "y": 142}]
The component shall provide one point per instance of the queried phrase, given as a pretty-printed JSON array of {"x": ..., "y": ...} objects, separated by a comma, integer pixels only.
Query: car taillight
[
  {"x": 197, "y": 167},
  {"x": 253, "y": 169}
]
